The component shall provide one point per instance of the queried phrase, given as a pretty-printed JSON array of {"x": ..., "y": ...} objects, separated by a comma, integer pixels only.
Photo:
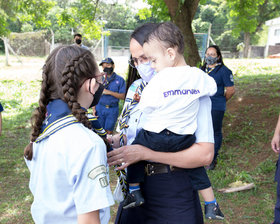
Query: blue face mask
[{"x": 146, "y": 71}]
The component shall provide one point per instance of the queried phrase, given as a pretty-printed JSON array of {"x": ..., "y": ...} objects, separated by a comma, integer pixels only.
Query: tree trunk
[
  {"x": 182, "y": 15},
  {"x": 5, "y": 40},
  {"x": 52, "y": 44},
  {"x": 247, "y": 39}
]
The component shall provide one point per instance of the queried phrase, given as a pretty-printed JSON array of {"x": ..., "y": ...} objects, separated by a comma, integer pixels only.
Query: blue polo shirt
[
  {"x": 224, "y": 78},
  {"x": 1, "y": 108},
  {"x": 116, "y": 84}
]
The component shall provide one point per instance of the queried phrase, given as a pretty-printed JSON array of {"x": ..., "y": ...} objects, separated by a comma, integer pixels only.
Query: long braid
[
  {"x": 65, "y": 70},
  {"x": 38, "y": 116},
  {"x": 69, "y": 89}
]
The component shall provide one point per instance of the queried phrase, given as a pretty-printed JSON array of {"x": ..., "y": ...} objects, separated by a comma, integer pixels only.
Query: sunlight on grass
[{"x": 245, "y": 154}]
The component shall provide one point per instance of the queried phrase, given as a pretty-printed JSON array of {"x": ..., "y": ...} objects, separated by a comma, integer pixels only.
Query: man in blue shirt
[{"x": 107, "y": 109}]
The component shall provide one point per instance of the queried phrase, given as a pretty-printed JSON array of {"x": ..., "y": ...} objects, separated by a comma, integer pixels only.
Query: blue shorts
[{"x": 107, "y": 116}]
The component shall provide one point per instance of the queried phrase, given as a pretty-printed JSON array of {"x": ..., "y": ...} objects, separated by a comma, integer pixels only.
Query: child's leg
[
  {"x": 134, "y": 187},
  {"x": 212, "y": 209},
  {"x": 134, "y": 198},
  {"x": 207, "y": 194},
  {"x": 135, "y": 175},
  {"x": 201, "y": 182}
]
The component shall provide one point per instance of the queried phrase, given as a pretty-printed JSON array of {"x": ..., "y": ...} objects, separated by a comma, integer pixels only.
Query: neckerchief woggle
[{"x": 208, "y": 70}]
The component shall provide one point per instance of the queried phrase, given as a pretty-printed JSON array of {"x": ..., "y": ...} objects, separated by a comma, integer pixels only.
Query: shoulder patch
[
  {"x": 133, "y": 87},
  {"x": 97, "y": 171},
  {"x": 231, "y": 77}
]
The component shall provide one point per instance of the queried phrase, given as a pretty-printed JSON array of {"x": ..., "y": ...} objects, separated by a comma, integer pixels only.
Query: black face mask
[
  {"x": 78, "y": 41},
  {"x": 97, "y": 95},
  {"x": 108, "y": 70}
]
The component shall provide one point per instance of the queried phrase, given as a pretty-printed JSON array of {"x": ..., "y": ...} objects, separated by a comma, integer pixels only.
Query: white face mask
[{"x": 146, "y": 71}]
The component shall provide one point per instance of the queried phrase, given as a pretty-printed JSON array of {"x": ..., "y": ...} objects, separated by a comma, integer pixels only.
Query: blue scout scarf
[{"x": 59, "y": 116}]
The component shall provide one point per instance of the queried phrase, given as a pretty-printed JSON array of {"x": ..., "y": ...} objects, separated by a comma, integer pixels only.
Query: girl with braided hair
[{"x": 66, "y": 159}]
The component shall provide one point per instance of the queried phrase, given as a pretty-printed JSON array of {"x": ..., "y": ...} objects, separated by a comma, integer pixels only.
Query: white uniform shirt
[
  {"x": 69, "y": 176},
  {"x": 170, "y": 100},
  {"x": 204, "y": 132}
]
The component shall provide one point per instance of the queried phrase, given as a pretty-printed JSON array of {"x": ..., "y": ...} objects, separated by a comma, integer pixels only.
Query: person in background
[
  {"x": 213, "y": 64},
  {"x": 1, "y": 110},
  {"x": 275, "y": 145},
  {"x": 69, "y": 176},
  {"x": 107, "y": 109},
  {"x": 78, "y": 41},
  {"x": 173, "y": 93}
]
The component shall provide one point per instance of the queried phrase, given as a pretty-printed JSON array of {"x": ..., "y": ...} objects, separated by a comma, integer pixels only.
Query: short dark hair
[
  {"x": 141, "y": 32},
  {"x": 77, "y": 35},
  {"x": 169, "y": 34}
]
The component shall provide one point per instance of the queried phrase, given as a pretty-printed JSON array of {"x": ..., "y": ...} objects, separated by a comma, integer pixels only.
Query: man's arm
[
  {"x": 120, "y": 96},
  {"x": 275, "y": 142}
]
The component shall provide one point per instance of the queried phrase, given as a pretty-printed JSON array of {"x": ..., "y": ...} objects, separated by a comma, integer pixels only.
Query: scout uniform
[
  {"x": 224, "y": 78},
  {"x": 1, "y": 108},
  {"x": 72, "y": 163},
  {"x": 107, "y": 109},
  {"x": 155, "y": 186}
]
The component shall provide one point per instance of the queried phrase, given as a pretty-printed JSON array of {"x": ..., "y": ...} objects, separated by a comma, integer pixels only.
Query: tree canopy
[
  {"x": 249, "y": 16},
  {"x": 233, "y": 22}
]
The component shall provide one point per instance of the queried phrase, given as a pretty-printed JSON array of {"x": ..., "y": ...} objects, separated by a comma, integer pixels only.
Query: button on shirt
[
  {"x": 170, "y": 100},
  {"x": 115, "y": 84}
]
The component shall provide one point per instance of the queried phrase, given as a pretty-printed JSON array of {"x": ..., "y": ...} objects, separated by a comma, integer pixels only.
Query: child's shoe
[
  {"x": 212, "y": 211},
  {"x": 133, "y": 199}
]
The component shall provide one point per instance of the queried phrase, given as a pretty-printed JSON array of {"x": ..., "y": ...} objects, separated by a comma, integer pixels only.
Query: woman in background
[{"x": 213, "y": 64}]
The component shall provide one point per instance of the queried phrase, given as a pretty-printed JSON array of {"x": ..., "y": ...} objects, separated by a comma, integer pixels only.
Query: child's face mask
[
  {"x": 97, "y": 95},
  {"x": 146, "y": 71}
]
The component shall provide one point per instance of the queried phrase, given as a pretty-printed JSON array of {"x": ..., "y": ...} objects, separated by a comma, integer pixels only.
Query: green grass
[{"x": 245, "y": 155}]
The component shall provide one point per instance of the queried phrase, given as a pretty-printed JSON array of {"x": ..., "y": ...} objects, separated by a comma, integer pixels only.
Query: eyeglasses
[
  {"x": 103, "y": 76},
  {"x": 137, "y": 61}
]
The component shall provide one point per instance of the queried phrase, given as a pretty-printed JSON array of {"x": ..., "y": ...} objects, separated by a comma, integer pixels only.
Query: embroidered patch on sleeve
[
  {"x": 103, "y": 181},
  {"x": 97, "y": 171}
]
